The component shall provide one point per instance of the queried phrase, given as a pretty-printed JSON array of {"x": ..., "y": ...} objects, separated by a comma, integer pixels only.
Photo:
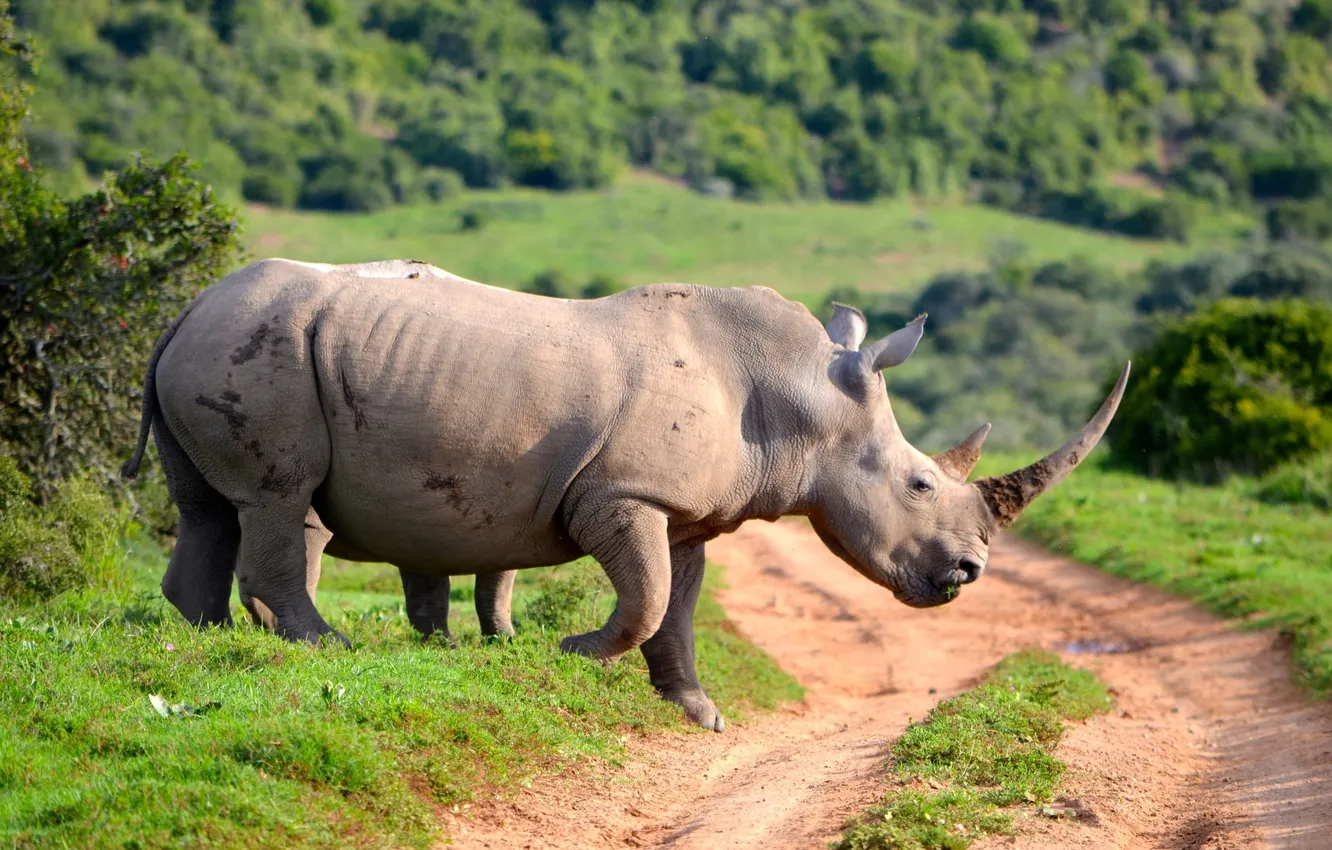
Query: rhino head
[{"x": 905, "y": 520}]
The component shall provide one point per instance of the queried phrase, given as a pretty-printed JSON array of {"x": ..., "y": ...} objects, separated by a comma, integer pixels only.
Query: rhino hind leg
[
  {"x": 316, "y": 538},
  {"x": 272, "y": 569},
  {"x": 198, "y": 577},
  {"x": 670, "y": 652},
  {"x": 494, "y": 603},
  {"x": 628, "y": 539}
]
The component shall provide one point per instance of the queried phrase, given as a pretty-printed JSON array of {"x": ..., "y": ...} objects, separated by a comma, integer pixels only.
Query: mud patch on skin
[
  {"x": 255, "y": 449},
  {"x": 1007, "y": 495},
  {"x": 227, "y": 407},
  {"x": 283, "y": 483},
  {"x": 353, "y": 404},
  {"x": 462, "y": 504},
  {"x": 435, "y": 482},
  {"x": 251, "y": 349}
]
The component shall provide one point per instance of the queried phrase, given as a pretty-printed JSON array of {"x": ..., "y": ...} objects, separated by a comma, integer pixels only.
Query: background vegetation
[{"x": 1126, "y": 114}]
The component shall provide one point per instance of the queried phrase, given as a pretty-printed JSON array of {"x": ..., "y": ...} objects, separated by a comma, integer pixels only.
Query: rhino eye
[{"x": 921, "y": 484}]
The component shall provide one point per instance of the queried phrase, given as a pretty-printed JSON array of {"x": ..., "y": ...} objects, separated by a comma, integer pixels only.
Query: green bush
[
  {"x": 1300, "y": 220},
  {"x": 70, "y": 543},
  {"x": 1305, "y": 481},
  {"x": 86, "y": 287},
  {"x": 569, "y": 603},
  {"x": 1241, "y": 387}
]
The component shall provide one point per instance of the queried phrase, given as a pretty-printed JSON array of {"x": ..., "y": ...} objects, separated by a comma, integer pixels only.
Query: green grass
[
  {"x": 977, "y": 754},
  {"x": 291, "y": 746},
  {"x": 647, "y": 230},
  {"x": 1221, "y": 547}
]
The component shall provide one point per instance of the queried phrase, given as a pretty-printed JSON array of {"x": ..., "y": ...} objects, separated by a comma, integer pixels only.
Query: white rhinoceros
[{"x": 450, "y": 427}]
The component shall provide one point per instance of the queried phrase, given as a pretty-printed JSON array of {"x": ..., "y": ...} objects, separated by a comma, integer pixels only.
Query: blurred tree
[{"x": 86, "y": 287}]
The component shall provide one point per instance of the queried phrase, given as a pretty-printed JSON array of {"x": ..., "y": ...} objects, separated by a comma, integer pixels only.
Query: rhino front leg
[
  {"x": 427, "y": 602},
  {"x": 494, "y": 601},
  {"x": 629, "y": 540},
  {"x": 670, "y": 652}
]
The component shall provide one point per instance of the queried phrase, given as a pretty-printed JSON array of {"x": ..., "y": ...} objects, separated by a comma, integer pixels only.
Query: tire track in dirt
[{"x": 1210, "y": 747}]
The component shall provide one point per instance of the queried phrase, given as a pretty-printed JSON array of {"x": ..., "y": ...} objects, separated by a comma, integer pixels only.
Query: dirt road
[{"x": 1210, "y": 747}]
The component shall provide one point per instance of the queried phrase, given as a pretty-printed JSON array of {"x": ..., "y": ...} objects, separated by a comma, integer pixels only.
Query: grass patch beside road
[
  {"x": 269, "y": 744},
  {"x": 978, "y": 753},
  {"x": 1223, "y": 547}
]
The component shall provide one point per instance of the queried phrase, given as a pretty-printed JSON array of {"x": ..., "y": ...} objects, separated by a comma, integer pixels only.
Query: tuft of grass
[
  {"x": 122, "y": 726},
  {"x": 647, "y": 230},
  {"x": 1218, "y": 546},
  {"x": 977, "y": 753}
]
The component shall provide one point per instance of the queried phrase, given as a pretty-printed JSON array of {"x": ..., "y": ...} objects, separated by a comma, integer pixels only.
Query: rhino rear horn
[
  {"x": 958, "y": 461},
  {"x": 1007, "y": 495}
]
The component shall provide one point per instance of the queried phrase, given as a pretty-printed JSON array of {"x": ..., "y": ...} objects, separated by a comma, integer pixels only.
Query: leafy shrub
[
  {"x": 1287, "y": 272},
  {"x": 1241, "y": 387},
  {"x": 72, "y": 542},
  {"x": 437, "y": 184},
  {"x": 600, "y": 285},
  {"x": 568, "y": 603},
  {"x": 1304, "y": 481},
  {"x": 471, "y": 219},
  {"x": 1123, "y": 211},
  {"x": 86, "y": 287},
  {"x": 552, "y": 283},
  {"x": 1300, "y": 220}
]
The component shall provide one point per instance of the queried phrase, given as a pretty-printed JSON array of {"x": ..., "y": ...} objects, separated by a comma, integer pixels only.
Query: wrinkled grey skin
[
  {"x": 450, "y": 427},
  {"x": 427, "y": 595}
]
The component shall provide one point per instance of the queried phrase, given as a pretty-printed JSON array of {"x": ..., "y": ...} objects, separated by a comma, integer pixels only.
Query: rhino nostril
[{"x": 971, "y": 568}]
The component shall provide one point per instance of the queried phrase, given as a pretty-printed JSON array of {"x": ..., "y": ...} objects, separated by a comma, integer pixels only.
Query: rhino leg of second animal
[
  {"x": 670, "y": 652},
  {"x": 494, "y": 601},
  {"x": 628, "y": 539},
  {"x": 316, "y": 538},
  {"x": 427, "y": 602}
]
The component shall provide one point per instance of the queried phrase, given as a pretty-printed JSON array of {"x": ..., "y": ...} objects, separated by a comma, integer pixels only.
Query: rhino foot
[
  {"x": 699, "y": 708},
  {"x": 590, "y": 646}
]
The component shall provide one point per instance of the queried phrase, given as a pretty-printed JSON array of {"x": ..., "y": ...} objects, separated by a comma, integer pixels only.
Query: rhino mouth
[{"x": 939, "y": 594}]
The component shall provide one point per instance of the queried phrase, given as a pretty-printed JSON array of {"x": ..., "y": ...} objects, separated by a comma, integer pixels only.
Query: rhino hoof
[
  {"x": 588, "y": 646},
  {"x": 699, "y": 708}
]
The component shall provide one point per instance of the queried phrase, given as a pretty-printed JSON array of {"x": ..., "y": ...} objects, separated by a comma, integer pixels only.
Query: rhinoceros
[{"x": 450, "y": 427}]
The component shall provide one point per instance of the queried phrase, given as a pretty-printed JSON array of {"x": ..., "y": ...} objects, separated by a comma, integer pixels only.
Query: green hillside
[
  {"x": 1129, "y": 115},
  {"x": 649, "y": 231}
]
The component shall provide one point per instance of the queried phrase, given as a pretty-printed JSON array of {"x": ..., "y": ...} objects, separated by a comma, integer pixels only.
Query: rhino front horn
[
  {"x": 1007, "y": 495},
  {"x": 958, "y": 461}
]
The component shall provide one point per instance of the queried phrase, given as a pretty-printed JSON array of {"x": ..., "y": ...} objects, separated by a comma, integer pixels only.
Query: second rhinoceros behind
[{"x": 450, "y": 427}]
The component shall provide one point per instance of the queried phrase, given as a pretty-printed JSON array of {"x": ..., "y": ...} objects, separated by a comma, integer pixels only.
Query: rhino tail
[{"x": 150, "y": 405}]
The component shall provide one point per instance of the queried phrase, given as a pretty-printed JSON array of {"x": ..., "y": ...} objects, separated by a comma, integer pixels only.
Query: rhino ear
[
  {"x": 895, "y": 348},
  {"x": 847, "y": 326}
]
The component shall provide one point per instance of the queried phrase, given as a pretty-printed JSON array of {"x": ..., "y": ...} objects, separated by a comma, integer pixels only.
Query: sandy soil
[{"x": 1210, "y": 747}]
